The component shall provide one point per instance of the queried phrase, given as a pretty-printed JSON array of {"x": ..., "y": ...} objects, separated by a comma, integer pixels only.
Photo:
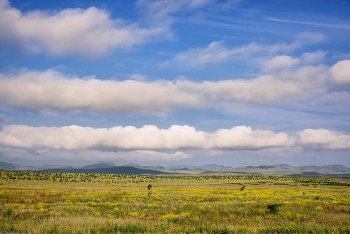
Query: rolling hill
[{"x": 131, "y": 168}]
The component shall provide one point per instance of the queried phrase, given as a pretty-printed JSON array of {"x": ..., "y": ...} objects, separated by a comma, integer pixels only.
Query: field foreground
[{"x": 42, "y": 202}]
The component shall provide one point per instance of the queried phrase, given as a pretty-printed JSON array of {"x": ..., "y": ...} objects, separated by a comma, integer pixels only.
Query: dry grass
[{"x": 82, "y": 203}]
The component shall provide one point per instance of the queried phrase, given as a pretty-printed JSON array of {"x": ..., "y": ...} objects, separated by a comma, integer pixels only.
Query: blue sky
[{"x": 233, "y": 82}]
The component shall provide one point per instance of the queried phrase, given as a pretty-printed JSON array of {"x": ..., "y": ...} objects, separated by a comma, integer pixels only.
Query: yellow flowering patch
[{"x": 101, "y": 203}]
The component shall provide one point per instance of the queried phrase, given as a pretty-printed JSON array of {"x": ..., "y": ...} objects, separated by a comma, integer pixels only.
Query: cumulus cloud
[
  {"x": 84, "y": 31},
  {"x": 324, "y": 139},
  {"x": 302, "y": 83},
  {"x": 152, "y": 143},
  {"x": 51, "y": 90},
  {"x": 148, "y": 137},
  {"x": 314, "y": 57},
  {"x": 279, "y": 62},
  {"x": 340, "y": 73},
  {"x": 216, "y": 52},
  {"x": 243, "y": 137}
]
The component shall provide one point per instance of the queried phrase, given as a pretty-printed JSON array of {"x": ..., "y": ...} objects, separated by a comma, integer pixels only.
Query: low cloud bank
[{"x": 150, "y": 137}]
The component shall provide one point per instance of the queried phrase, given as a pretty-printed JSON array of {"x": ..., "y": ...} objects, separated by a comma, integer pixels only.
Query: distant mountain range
[{"x": 111, "y": 168}]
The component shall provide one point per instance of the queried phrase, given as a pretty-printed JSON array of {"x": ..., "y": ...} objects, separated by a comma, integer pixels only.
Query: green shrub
[{"x": 274, "y": 207}]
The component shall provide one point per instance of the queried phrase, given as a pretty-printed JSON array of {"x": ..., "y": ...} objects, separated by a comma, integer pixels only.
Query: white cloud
[
  {"x": 243, "y": 137},
  {"x": 340, "y": 73},
  {"x": 53, "y": 91},
  {"x": 302, "y": 83},
  {"x": 138, "y": 77},
  {"x": 217, "y": 52},
  {"x": 324, "y": 139},
  {"x": 152, "y": 143},
  {"x": 213, "y": 53},
  {"x": 311, "y": 37},
  {"x": 90, "y": 32},
  {"x": 148, "y": 137},
  {"x": 154, "y": 155},
  {"x": 311, "y": 58},
  {"x": 279, "y": 62},
  {"x": 158, "y": 12}
]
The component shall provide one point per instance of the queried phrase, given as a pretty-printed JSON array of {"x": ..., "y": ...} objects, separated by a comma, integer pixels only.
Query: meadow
[{"x": 43, "y": 202}]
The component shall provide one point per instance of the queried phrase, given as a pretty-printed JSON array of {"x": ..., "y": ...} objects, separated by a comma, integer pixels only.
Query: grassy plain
[{"x": 38, "y": 202}]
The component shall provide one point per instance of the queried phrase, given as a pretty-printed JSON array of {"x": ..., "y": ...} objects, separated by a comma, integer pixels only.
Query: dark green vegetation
[
  {"x": 111, "y": 170},
  {"x": 107, "y": 167},
  {"x": 274, "y": 207},
  {"x": 46, "y": 202}
]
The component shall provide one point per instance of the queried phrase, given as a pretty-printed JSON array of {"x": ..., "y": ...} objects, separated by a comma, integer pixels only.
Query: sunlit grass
[{"x": 34, "y": 202}]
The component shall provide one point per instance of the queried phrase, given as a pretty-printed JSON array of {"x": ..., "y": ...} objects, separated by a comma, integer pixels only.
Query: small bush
[
  {"x": 149, "y": 187},
  {"x": 274, "y": 207}
]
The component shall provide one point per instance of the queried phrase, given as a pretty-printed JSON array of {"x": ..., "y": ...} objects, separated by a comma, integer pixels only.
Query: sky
[{"x": 175, "y": 82}]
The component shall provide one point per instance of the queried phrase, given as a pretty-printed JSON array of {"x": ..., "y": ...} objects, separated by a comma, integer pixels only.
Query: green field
[{"x": 42, "y": 202}]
